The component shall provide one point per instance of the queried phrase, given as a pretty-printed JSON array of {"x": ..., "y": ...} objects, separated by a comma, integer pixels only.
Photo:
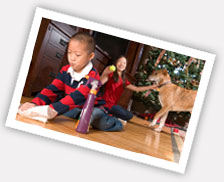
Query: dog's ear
[{"x": 164, "y": 72}]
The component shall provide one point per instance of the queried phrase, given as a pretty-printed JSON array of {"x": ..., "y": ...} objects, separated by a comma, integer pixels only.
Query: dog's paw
[{"x": 158, "y": 129}]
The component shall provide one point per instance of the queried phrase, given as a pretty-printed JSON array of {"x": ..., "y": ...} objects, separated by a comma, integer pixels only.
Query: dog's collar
[{"x": 164, "y": 84}]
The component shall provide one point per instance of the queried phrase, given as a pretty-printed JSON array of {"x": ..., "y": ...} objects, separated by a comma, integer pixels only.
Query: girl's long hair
[{"x": 115, "y": 75}]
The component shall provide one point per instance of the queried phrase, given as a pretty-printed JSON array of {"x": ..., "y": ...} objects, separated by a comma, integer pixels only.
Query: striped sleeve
[{"x": 51, "y": 92}]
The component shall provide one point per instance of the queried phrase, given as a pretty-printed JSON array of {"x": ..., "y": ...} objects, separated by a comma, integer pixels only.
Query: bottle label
[{"x": 93, "y": 91}]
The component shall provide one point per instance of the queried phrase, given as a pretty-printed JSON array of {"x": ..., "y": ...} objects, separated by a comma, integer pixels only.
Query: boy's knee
[
  {"x": 118, "y": 126},
  {"x": 115, "y": 125},
  {"x": 106, "y": 123},
  {"x": 97, "y": 111},
  {"x": 74, "y": 113}
]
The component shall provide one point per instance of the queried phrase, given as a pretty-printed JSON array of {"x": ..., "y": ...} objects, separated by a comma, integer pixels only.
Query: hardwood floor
[{"x": 136, "y": 136}]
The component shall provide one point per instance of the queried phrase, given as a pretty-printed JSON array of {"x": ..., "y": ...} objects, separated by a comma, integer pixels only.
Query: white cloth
[
  {"x": 78, "y": 76},
  {"x": 40, "y": 113}
]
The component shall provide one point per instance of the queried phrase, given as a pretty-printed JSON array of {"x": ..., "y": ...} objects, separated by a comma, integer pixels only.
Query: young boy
[{"x": 71, "y": 81}]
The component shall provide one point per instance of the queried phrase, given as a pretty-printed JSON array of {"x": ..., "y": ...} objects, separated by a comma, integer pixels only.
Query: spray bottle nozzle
[
  {"x": 94, "y": 84},
  {"x": 91, "y": 79}
]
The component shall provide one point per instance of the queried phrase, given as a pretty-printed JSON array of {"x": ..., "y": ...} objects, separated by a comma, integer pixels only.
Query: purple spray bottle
[{"x": 82, "y": 125}]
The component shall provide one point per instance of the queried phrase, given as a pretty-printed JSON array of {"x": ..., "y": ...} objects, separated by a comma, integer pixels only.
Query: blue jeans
[
  {"x": 99, "y": 119},
  {"x": 120, "y": 112}
]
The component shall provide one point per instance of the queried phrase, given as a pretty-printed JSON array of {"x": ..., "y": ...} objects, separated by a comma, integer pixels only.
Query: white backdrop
[{"x": 27, "y": 157}]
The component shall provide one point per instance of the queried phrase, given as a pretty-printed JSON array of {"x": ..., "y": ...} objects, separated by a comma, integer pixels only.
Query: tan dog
[{"x": 172, "y": 97}]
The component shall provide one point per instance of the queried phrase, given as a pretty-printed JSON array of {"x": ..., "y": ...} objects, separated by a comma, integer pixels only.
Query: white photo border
[{"x": 43, "y": 13}]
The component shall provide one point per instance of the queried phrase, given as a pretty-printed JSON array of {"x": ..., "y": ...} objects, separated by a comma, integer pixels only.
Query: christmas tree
[{"x": 184, "y": 71}]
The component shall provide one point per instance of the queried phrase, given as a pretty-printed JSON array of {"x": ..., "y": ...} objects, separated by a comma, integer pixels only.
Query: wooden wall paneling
[
  {"x": 133, "y": 56},
  {"x": 137, "y": 59},
  {"x": 101, "y": 59},
  {"x": 130, "y": 55},
  {"x": 33, "y": 65},
  {"x": 69, "y": 30},
  {"x": 51, "y": 46},
  {"x": 49, "y": 71}
]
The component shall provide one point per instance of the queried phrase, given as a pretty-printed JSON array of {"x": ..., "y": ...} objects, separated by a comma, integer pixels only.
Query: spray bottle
[{"x": 82, "y": 125}]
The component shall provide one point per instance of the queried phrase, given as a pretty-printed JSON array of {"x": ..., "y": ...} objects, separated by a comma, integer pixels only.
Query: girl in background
[{"x": 115, "y": 83}]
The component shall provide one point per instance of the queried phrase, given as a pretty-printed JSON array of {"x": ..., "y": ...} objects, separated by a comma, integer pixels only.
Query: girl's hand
[
  {"x": 26, "y": 105},
  {"x": 107, "y": 70},
  {"x": 153, "y": 87},
  {"x": 104, "y": 76}
]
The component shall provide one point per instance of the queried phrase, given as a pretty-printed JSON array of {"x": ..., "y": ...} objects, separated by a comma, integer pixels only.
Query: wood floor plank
[{"x": 136, "y": 136}]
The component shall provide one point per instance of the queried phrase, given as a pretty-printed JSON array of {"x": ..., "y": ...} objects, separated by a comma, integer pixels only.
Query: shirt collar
[{"x": 78, "y": 76}]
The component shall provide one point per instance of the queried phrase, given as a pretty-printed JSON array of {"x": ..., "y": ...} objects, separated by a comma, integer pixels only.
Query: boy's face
[{"x": 78, "y": 55}]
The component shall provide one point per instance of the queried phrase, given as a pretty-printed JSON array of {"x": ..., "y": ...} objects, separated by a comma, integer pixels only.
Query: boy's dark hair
[
  {"x": 116, "y": 76},
  {"x": 85, "y": 38}
]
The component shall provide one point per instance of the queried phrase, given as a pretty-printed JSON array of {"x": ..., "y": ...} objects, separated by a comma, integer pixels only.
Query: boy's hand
[
  {"x": 26, "y": 105},
  {"x": 51, "y": 113}
]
